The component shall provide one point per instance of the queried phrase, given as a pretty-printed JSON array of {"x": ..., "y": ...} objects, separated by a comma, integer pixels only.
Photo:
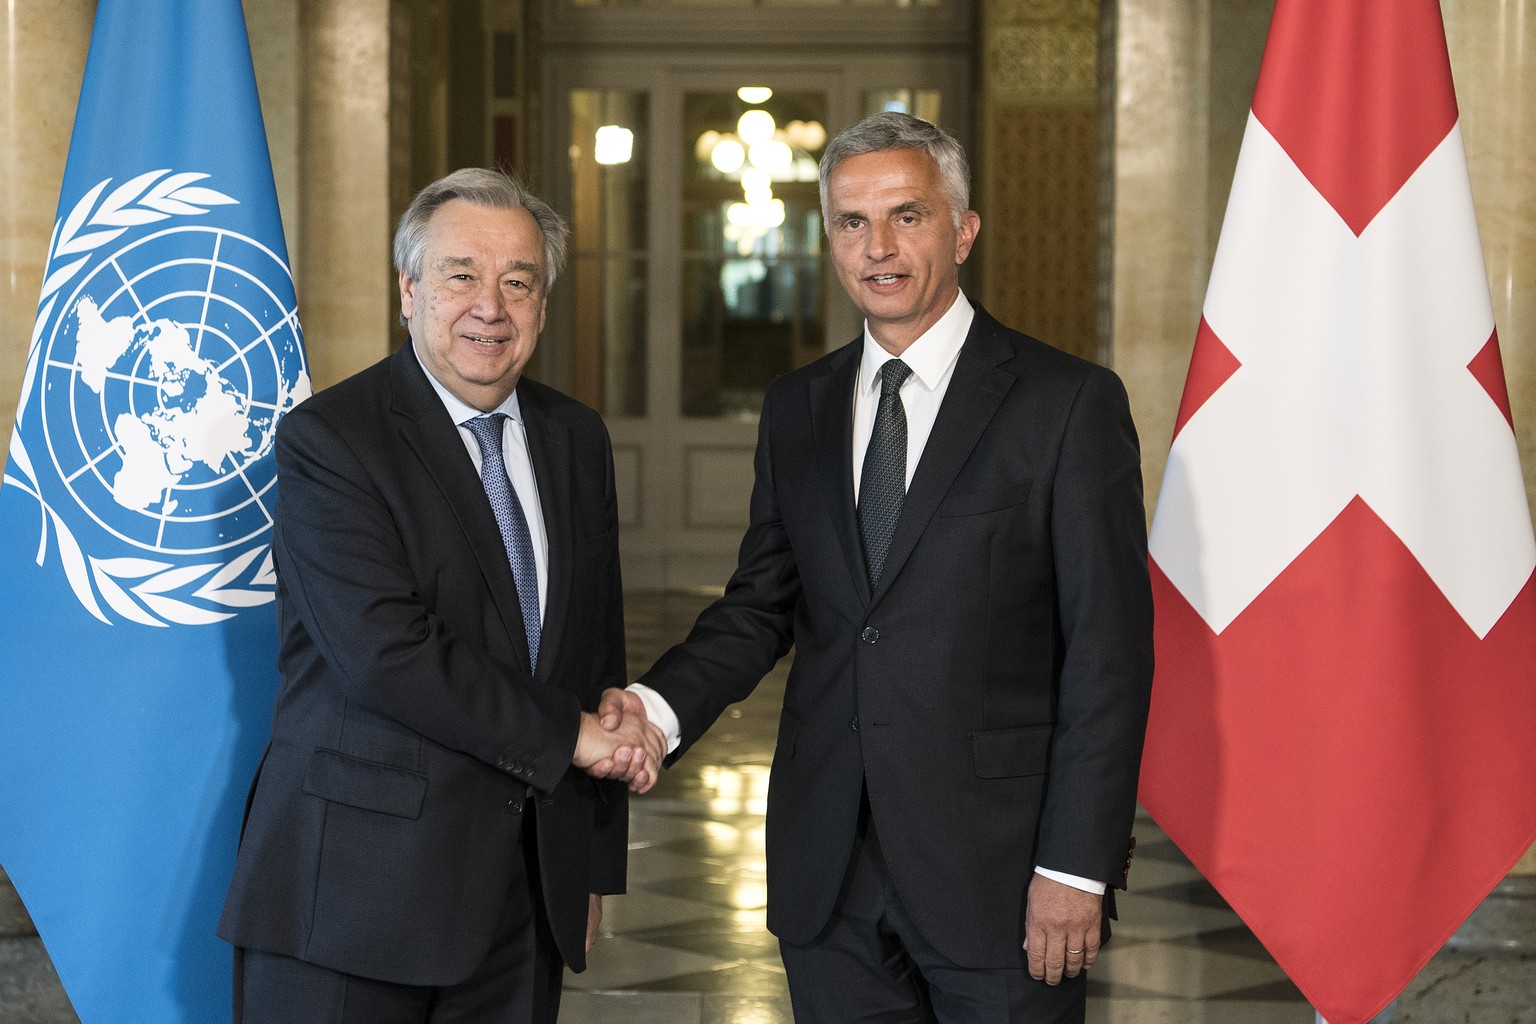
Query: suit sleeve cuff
[
  {"x": 1075, "y": 881},
  {"x": 660, "y": 714}
]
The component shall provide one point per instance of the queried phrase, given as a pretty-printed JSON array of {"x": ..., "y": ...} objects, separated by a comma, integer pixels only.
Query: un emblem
[{"x": 162, "y": 360}]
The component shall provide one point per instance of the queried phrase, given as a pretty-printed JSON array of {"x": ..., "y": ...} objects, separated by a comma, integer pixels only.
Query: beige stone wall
[
  {"x": 1163, "y": 211},
  {"x": 348, "y": 297}
]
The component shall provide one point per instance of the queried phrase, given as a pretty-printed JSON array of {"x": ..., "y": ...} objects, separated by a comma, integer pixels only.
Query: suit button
[
  {"x": 515, "y": 806},
  {"x": 853, "y": 723},
  {"x": 870, "y": 634}
]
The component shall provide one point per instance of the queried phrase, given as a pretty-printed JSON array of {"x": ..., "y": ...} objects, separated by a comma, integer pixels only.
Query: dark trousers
[
  {"x": 518, "y": 983},
  {"x": 872, "y": 966}
]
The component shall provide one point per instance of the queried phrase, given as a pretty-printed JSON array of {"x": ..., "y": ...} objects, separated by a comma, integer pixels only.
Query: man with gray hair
[
  {"x": 947, "y": 526},
  {"x": 420, "y": 843}
]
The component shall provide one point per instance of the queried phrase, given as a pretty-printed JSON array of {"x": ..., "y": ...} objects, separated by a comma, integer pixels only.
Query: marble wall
[{"x": 348, "y": 296}]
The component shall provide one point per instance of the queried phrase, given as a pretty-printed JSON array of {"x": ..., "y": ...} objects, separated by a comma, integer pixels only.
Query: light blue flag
[{"x": 137, "y": 638}]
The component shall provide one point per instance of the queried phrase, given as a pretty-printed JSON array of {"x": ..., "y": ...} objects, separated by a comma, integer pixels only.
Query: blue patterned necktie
[
  {"x": 883, "y": 483},
  {"x": 512, "y": 523}
]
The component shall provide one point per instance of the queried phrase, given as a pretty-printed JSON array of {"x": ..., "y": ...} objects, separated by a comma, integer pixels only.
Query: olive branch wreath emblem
[{"x": 143, "y": 590}]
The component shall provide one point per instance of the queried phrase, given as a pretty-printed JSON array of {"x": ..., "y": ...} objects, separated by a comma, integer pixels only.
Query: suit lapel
[
  {"x": 430, "y": 433},
  {"x": 831, "y": 398},
  {"x": 549, "y": 445},
  {"x": 975, "y": 391}
]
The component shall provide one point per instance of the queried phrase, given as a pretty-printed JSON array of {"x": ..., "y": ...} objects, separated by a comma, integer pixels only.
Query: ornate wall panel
[
  {"x": 1039, "y": 237},
  {"x": 1037, "y": 171}
]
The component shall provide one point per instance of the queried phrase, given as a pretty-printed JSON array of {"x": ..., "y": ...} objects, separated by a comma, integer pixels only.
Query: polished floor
[{"x": 687, "y": 944}]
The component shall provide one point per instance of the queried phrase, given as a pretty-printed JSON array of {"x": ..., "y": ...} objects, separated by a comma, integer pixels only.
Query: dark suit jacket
[
  {"x": 409, "y": 742},
  {"x": 992, "y": 692}
]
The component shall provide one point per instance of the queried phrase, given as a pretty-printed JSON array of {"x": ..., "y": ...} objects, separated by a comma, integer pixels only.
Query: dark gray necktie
[
  {"x": 883, "y": 483},
  {"x": 512, "y": 523}
]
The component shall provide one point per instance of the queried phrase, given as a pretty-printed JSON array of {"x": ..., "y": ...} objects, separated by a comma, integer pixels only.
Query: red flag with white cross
[{"x": 1343, "y": 730}]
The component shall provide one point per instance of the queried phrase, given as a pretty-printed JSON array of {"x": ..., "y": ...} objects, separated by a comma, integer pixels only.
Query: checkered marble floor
[{"x": 687, "y": 944}]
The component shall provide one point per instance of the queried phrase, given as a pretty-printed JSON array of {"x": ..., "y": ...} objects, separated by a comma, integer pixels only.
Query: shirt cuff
[
  {"x": 1075, "y": 881},
  {"x": 660, "y": 714}
]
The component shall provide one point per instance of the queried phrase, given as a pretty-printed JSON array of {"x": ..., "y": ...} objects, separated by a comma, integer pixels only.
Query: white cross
[{"x": 1353, "y": 382}]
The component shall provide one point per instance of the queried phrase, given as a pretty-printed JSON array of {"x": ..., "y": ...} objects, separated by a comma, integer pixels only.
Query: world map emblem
[{"x": 166, "y": 350}]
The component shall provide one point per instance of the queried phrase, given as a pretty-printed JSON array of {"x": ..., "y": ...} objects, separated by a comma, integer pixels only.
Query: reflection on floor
[{"x": 687, "y": 944}]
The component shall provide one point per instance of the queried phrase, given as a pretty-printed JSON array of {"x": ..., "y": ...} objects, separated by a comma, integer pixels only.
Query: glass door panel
[
  {"x": 698, "y": 269},
  {"x": 752, "y": 305},
  {"x": 609, "y": 257},
  {"x": 923, "y": 103}
]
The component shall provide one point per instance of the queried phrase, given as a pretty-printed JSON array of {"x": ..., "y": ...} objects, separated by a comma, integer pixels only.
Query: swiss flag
[{"x": 1343, "y": 730}]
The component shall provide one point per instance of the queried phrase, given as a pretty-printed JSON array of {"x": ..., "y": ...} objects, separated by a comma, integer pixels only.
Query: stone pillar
[
  {"x": 1037, "y": 168},
  {"x": 42, "y": 60},
  {"x": 348, "y": 298},
  {"x": 273, "y": 28},
  {"x": 1165, "y": 218}
]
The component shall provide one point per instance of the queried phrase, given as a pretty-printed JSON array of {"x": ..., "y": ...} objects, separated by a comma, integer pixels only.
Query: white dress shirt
[
  {"x": 932, "y": 359},
  {"x": 518, "y": 464}
]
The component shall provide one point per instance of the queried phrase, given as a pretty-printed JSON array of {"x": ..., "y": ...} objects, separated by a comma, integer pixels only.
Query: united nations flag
[{"x": 136, "y": 577}]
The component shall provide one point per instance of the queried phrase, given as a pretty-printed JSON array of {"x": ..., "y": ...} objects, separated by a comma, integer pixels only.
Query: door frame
[{"x": 684, "y": 482}]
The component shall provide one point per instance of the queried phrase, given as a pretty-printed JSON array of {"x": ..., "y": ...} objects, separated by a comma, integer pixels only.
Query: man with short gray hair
[{"x": 420, "y": 844}]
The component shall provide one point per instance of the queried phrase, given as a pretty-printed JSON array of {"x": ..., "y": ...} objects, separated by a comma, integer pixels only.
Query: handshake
[{"x": 620, "y": 742}]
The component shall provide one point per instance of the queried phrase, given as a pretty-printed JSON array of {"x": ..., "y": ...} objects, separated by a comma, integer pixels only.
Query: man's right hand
[{"x": 619, "y": 742}]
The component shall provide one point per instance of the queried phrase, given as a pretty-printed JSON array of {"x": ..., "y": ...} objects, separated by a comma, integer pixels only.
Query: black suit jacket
[
  {"x": 409, "y": 741},
  {"x": 992, "y": 692}
]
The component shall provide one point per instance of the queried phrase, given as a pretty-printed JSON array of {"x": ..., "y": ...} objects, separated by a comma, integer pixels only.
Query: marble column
[
  {"x": 1165, "y": 217},
  {"x": 348, "y": 298},
  {"x": 42, "y": 59},
  {"x": 273, "y": 28}
]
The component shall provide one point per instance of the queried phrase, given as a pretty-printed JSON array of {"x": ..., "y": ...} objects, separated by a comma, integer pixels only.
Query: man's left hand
[
  {"x": 1061, "y": 929},
  {"x": 594, "y": 917}
]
